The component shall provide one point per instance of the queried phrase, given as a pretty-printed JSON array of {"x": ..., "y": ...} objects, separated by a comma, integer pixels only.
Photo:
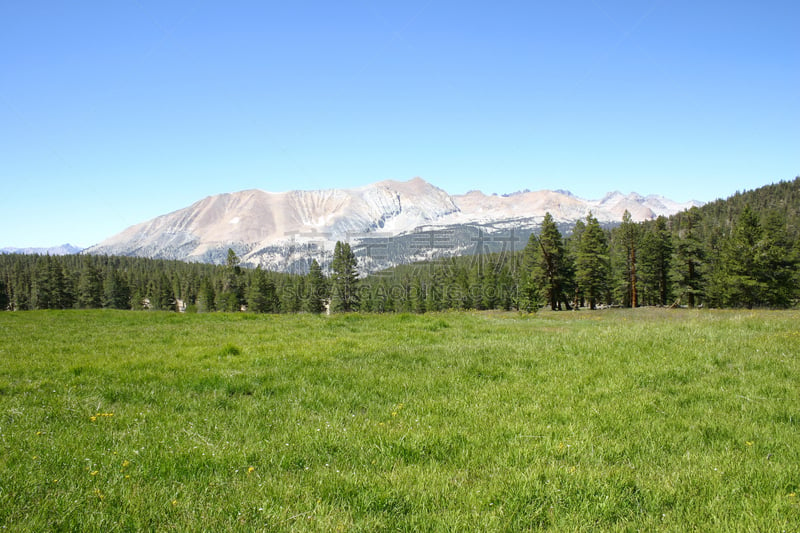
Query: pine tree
[
  {"x": 368, "y": 302},
  {"x": 433, "y": 293},
  {"x": 291, "y": 291},
  {"x": 261, "y": 295},
  {"x": 67, "y": 296},
  {"x": 90, "y": 288},
  {"x": 344, "y": 294},
  {"x": 4, "y": 299},
  {"x": 459, "y": 286},
  {"x": 417, "y": 295},
  {"x": 689, "y": 257},
  {"x": 489, "y": 284},
  {"x": 51, "y": 286},
  {"x": 206, "y": 296},
  {"x": 547, "y": 261},
  {"x": 21, "y": 287},
  {"x": 741, "y": 270},
  {"x": 379, "y": 296},
  {"x": 188, "y": 289},
  {"x": 231, "y": 295},
  {"x": 572, "y": 246},
  {"x": 159, "y": 292},
  {"x": 757, "y": 263},
  {"x": 116, "y": 291},
  {"x": 317, "y": 289},
  {"x": 475, "y": 283},
  {"x": 529, "y": 293},
  {"x": 656, "y": 259},
  {"x": 42, "y": 296},
  {"x": 507, "y": 288},
  {"x": 403, "y": 301},
  {"x": 779, "y": 261},
  {"x": 628, "y": 236},
  {"x": 593, "y": 262}
]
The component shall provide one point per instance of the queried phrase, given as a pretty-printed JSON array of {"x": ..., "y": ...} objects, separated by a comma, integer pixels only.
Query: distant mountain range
[
  {"x": 387, "y": 223},
  {"x": 64, "y": 249}
]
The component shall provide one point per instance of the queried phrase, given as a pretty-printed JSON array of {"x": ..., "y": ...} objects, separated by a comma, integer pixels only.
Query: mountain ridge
[
  {"x": 265, "y": 227},
  {"x": 62, "y": 249}
]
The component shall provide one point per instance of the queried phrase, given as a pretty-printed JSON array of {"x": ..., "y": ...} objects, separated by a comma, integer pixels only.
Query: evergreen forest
[{"x": 743, "y": 251}]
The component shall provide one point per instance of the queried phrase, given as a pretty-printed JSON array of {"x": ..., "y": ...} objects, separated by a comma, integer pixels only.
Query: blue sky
[{"x": 112, "y": 113}]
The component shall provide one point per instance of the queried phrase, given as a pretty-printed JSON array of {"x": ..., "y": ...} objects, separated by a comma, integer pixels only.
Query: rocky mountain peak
[{"x": 276, "y": 229}]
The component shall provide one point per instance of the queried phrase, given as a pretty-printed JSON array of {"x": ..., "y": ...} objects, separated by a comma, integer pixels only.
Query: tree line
[{"x": 739, "y": 252}]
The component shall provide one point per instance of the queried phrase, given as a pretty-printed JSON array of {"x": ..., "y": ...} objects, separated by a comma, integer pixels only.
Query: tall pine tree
[
  {"x": 344, "y": 279},
  {"x": 627, "y": 240},
  {"x": 593, "y": 262},
  {"x": 317, "y": 289},
  {"x": 656, "y": 259},
  {"x": 689, "y": 258},
  {"x": 549, "y": 266},
  {"x": 231, "y": 295}
]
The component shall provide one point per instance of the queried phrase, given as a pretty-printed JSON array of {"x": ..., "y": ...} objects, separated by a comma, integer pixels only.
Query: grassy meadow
[{"x": 613, "y": 420}]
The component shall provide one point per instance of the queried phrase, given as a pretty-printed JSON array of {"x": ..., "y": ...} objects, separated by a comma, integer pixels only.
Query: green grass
[{"x": 614, "y": 420}]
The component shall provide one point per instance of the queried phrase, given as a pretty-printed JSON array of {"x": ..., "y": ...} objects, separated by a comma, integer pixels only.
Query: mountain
[
  {"x": 388, "y": 222},
  {"x": 64, "y": 249}
]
